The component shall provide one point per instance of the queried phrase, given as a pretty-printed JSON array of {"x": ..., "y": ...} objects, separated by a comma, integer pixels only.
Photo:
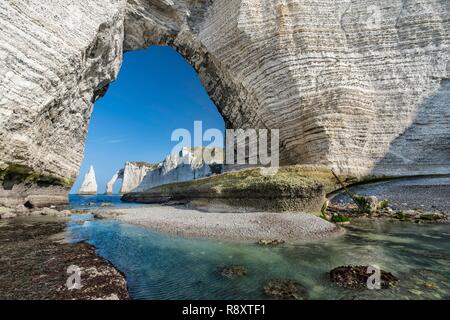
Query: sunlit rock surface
[
  {"x": 133, "y": 174},
  {"x": 89, "y": 185},
  {"x": 362, "y": 86},
  {"x": 110, "y": 185},
  {"x": 189, "y": 164}
]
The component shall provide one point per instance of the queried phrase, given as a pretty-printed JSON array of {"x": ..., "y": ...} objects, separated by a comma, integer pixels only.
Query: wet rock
[
  {"x": 373, "y": 204},
  {"x": 8, "y": 215},
  {"x": 78, "y": 211},
  {"x": 4, "y": 210},
  {"x": 21, "y": 210},
  {"x": 35, "y": 264},
  {"x": 49, "y": 212},
  {"x": 107, "y": 204},
  {"x": 285, "y": 289},
  {"x": 66, "y": 212},
  {"x": 431, "y": 216},
  {"x": 386, "y": 212},
  {"x": 340, "y": 219},
  {"x": 355, "y": 277},
  {"x": 233, "y": 271},
  {"x": 105, "y": 215},
  {"x": 265, "y": 242}
]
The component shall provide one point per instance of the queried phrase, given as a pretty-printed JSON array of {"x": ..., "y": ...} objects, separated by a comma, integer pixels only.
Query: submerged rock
[
  {"x": 275, "y": 242},
  {"x": 285, "y": 289},
  {"x": 356, "y": 277},
  {"x": 105, "y": 215},
  {"x": 233, "y": 271}
]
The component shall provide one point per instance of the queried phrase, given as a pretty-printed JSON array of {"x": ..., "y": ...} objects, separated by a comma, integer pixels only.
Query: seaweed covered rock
[
  {"x": 276, "y": 242},
  {"x": 233, "y": 271},
  {"x": 357, "y": 277},
  {"x": 285, "y": 289}
]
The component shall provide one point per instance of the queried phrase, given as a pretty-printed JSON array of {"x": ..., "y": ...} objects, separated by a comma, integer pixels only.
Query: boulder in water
[
  {"x": 356, "y": 277},
  {"x": 233, "y": 271},
  {"x": 285, "y": 289}
]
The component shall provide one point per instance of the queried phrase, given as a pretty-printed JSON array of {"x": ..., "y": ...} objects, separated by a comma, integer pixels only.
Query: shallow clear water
[
  {"x": 95, "y": 201},
  {"x": 158, "y": 266}
]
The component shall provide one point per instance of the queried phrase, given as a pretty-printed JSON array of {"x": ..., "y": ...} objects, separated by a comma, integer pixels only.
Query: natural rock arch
[
  {"x": 111, "y": 183},
  {"x": 339, "y": 90}
]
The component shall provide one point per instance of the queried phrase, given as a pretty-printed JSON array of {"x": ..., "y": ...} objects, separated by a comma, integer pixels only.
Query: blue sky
[{"x": 156, "y": 92}]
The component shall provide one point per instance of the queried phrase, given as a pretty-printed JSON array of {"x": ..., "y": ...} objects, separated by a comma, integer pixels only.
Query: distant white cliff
[
  {"x": 131, "y": 175},
  {"x": 89, "y": 185},
  {"x": 188, "y": 164},
  {"x": 110, "y": 185}
]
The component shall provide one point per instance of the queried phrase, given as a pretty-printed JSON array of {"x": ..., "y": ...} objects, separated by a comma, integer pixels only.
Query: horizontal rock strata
[{"x": 362, "y": 86}]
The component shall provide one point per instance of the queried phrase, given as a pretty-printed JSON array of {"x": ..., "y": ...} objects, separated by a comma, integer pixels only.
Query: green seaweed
[
  {"x": 429, "y": 217},
  {"x": 19, "y": 173},
  {"x": 362, "y": 202},
  {"x": 323, "y": 210},
  {"x": 339, "y": 218},
  {"x": 402, "y": 217},
  {"x": 383, "y": 204}
]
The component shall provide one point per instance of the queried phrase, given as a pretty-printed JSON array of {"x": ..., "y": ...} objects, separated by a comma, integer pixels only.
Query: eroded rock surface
[
  {"x": 362, "y": 86},
  {"x": 29, "y": 273}
]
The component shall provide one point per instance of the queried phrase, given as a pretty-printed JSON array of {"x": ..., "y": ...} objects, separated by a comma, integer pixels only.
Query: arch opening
[{"x": 157, "y": 92}]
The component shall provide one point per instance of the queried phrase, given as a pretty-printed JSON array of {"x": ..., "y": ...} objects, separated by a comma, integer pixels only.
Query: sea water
[{"x": 159, "y": 266}]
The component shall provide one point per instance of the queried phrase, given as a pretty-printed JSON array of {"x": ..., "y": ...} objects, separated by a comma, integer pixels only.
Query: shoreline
[
  {"x": 243, "y": 227},
  {"x": 45, "y": 274}
]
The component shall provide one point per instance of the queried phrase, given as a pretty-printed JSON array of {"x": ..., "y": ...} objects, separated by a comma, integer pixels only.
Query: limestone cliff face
[
  {"x": 133, "y": 174},
  {"x": 189, "y": 164},
  {"x": 362, "y": 86},
  {"x": 89, "y": 185}
]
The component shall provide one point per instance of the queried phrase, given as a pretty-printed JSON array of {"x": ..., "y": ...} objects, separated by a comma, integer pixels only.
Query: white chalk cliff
[
  {"x": 189, "y": 164},
  {"x": 89, "y": 185},
  {"x": 110, "y": 185},
  {"x": 131, "y": 175},
  {"x": 361, "y": 86}
]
